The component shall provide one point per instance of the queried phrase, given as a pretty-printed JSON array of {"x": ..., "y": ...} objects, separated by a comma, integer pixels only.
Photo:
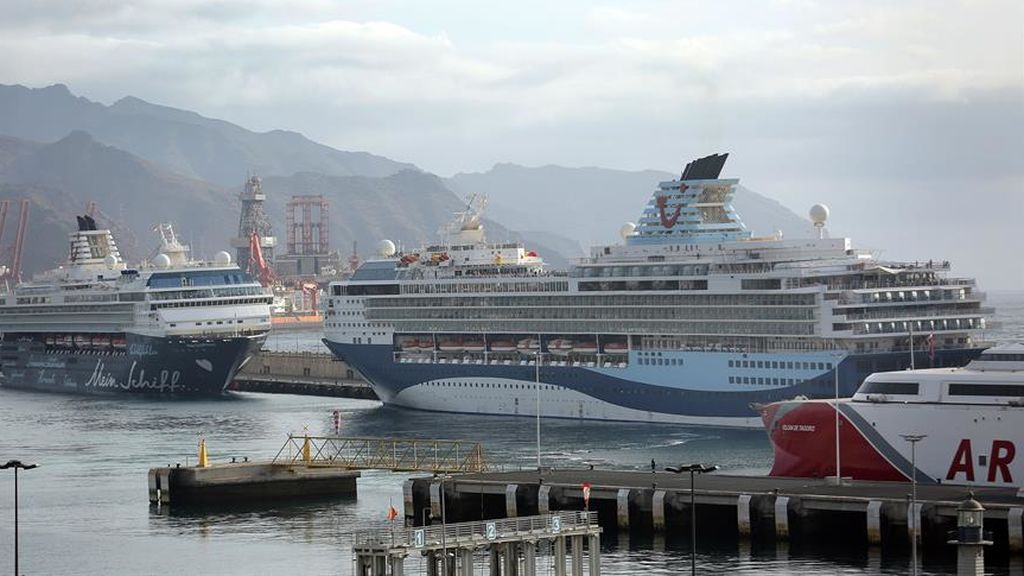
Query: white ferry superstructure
[{"x": 689, "y": 320}]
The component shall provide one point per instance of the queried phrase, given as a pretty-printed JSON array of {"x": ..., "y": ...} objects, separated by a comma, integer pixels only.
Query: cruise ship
[
  {"x": 690, "y": 319},
  {"x": 175, "y": 327}
]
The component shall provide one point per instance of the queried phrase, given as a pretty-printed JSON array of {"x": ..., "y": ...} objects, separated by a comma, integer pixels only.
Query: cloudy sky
[{"x": 907, "y": 117}]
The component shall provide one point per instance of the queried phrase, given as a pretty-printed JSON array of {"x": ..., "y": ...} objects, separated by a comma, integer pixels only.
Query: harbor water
[{"x": 85, "y": 510}]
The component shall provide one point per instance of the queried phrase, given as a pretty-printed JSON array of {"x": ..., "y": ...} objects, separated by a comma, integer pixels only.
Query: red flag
[
  {"x": 392, "y": 513},
  {"x": 931, "y": 346},
  {"x": 586, "y": 494}
]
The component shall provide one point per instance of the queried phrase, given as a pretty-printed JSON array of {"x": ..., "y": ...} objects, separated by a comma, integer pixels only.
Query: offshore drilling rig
[{"x": 254, "y": 230}]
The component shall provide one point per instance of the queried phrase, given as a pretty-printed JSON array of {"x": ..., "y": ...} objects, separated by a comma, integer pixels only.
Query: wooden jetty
[{"x": 758, "y": 507}]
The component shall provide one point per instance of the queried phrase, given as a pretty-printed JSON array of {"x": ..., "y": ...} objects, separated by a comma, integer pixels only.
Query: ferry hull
[
  {"x": 963, "y": 444},
  {"x": 688, "y": 394},
  {"x": 172, "y": 367}
]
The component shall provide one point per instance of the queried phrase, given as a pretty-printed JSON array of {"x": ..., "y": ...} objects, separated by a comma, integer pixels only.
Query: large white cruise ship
[
  {"x": 689, "y": 320},
  {"x": 174, "y": 327}
]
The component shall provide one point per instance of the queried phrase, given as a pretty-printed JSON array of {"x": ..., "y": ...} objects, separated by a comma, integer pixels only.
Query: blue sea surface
[{"x": 85, "y": 509}]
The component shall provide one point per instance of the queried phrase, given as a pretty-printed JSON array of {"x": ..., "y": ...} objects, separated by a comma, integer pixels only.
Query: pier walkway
[
  {"x": 510, "y": 546},
  {"x": 394, "y": 454}
]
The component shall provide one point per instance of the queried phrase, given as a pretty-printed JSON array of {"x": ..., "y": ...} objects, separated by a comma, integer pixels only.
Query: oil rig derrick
[{"x": 252, "y": 220}]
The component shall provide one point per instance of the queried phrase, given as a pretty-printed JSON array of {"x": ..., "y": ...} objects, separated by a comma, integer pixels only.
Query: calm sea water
[{"x": 85, "y": 510}]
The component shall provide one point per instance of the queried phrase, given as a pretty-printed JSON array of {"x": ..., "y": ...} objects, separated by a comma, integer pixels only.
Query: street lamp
[
  {"x": 444, "y": 542},
  {"x": 914, "y": 439},
  {"x": 537, "y": 362},
  {"x": 692, "y": 469},
  {"x": 837, "y": 357},
  {"x": 16, "y": 464}
]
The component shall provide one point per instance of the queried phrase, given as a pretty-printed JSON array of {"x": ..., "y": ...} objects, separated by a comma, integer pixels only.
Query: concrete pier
[
  {"x": 251, "y": 482},
  {"x": 761, "y": 508}
]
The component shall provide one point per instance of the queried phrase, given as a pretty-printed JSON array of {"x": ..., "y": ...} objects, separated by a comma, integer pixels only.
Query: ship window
[
  {"x": 1004, "y": 390},
  {"x": 893, "y": 388},
  {"x": 730, "y": 363}
]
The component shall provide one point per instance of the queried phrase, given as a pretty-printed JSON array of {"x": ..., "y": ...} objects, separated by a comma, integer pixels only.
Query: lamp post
[
  {"x": 537, "y": 361},
  {"x": 444, "y": 542},
  {"x": 692, "y": 469},
  {"x": 837, "y": 357},
  {"x": 914, "y": 439},
  {"x": 16, "y": 464}
]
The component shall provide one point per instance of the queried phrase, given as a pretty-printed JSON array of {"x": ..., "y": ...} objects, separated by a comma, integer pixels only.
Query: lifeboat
[
  {"x": 409, "y": 344},
  {"x": 451, "y": 345},
  {"x": 585, "y": 348},
  {"x": 474, "y": 346},
  {"x": 82, "y": 342},
  {"x": 561, "y": 346},
  {"x": 65, "y": 341},
  {"x": 101, "y": 342},
  {"x": 528, "y": 346},
  {"x": 119, "y": 343},
  {"x": 50, "y": 340},
  {"x": 426, "y": 345},
  {"x": 616, "y": 348},
  {"x": 503, "y": 346}
]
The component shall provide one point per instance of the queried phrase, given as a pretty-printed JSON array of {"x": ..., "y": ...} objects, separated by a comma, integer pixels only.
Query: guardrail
[
  {"x": 395, "y": 454},
  {"x": 462, "y": 534}
]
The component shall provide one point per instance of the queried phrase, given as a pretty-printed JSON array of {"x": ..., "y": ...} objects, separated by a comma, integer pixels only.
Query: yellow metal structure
[
  {"x": 396, "y": 454},
  {"x": 204, "y": 457}
]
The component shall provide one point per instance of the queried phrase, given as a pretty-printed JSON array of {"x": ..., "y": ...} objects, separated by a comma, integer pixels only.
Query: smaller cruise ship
[
  {"x": 174, "y": 327},
  {"x": 970, "y": 417}
]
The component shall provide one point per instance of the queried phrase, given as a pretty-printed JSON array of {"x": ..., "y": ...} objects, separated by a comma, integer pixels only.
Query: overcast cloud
[{"x": 906, "y": 117}]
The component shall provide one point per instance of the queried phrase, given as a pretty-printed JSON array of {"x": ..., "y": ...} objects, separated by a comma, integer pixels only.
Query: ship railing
[{"x": 395, "y": 454}]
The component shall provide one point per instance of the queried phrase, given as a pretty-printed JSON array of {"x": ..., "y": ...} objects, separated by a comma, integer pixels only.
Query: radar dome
[
  {"x": 110, "y": 261},
  {"x": 819, "y": 214},
  {"x": 627, "y": 230},
  {"x": 162, "y": 261},
  {"x": 222, "y": 258},
  {"x": 386, "y": 248}
]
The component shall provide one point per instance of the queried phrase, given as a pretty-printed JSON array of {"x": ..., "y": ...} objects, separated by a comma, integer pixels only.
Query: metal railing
[
  {"x": 395, "y": 454},
  {"x": 469, "y": 533}
]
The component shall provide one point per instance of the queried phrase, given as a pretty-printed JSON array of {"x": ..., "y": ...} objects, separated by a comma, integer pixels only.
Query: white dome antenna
[
  {"x": 627, "y": 230},
  {"x": 385, "y": 248},
  {"x": 222, "y": 259},
  {"x": 819, "y": 215}
]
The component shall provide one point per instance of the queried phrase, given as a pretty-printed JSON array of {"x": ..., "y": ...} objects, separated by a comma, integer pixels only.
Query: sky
[{"x": 906, "y": 118}]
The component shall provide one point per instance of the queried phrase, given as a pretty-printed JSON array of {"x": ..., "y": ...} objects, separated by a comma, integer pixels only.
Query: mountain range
[{"x": 142, "y": 164}]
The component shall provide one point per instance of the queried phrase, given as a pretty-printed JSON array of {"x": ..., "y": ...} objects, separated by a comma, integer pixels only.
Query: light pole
[
  {"x": 692, "y": 469},
  {"x": 16, "y": 464},
  {"x": 914, "y": 439},
  {"x": 537, "y": 361},
  {"x": 837, "y": 357},
  {"x": 444, "y": 542}
]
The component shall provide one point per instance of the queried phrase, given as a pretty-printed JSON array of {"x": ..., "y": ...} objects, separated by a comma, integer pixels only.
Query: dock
[
  {"x": 726, "y": 506},
  {"x": 306, "y": 373},
  {"x": 244, "y": 482}
]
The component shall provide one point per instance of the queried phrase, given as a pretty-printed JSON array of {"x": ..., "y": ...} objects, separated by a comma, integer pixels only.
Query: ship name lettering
[
  {"x": 999, "y": 460},
  {"x": 99, "y": 378},
  {"x": 141, "y": 350},
  {"x": 165, "y": 381},
  {"x": 799, "y": 427}
]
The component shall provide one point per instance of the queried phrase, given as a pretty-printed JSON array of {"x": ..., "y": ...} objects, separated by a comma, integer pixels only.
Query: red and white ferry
[{"x": 972, "y": 419}]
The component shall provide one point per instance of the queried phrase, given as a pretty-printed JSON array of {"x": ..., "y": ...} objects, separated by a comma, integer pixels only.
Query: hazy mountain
[
  {"x": 591, "y": 204},
  {"x": 133, "y": 195},
  {"x": 181, "y": 141}
]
